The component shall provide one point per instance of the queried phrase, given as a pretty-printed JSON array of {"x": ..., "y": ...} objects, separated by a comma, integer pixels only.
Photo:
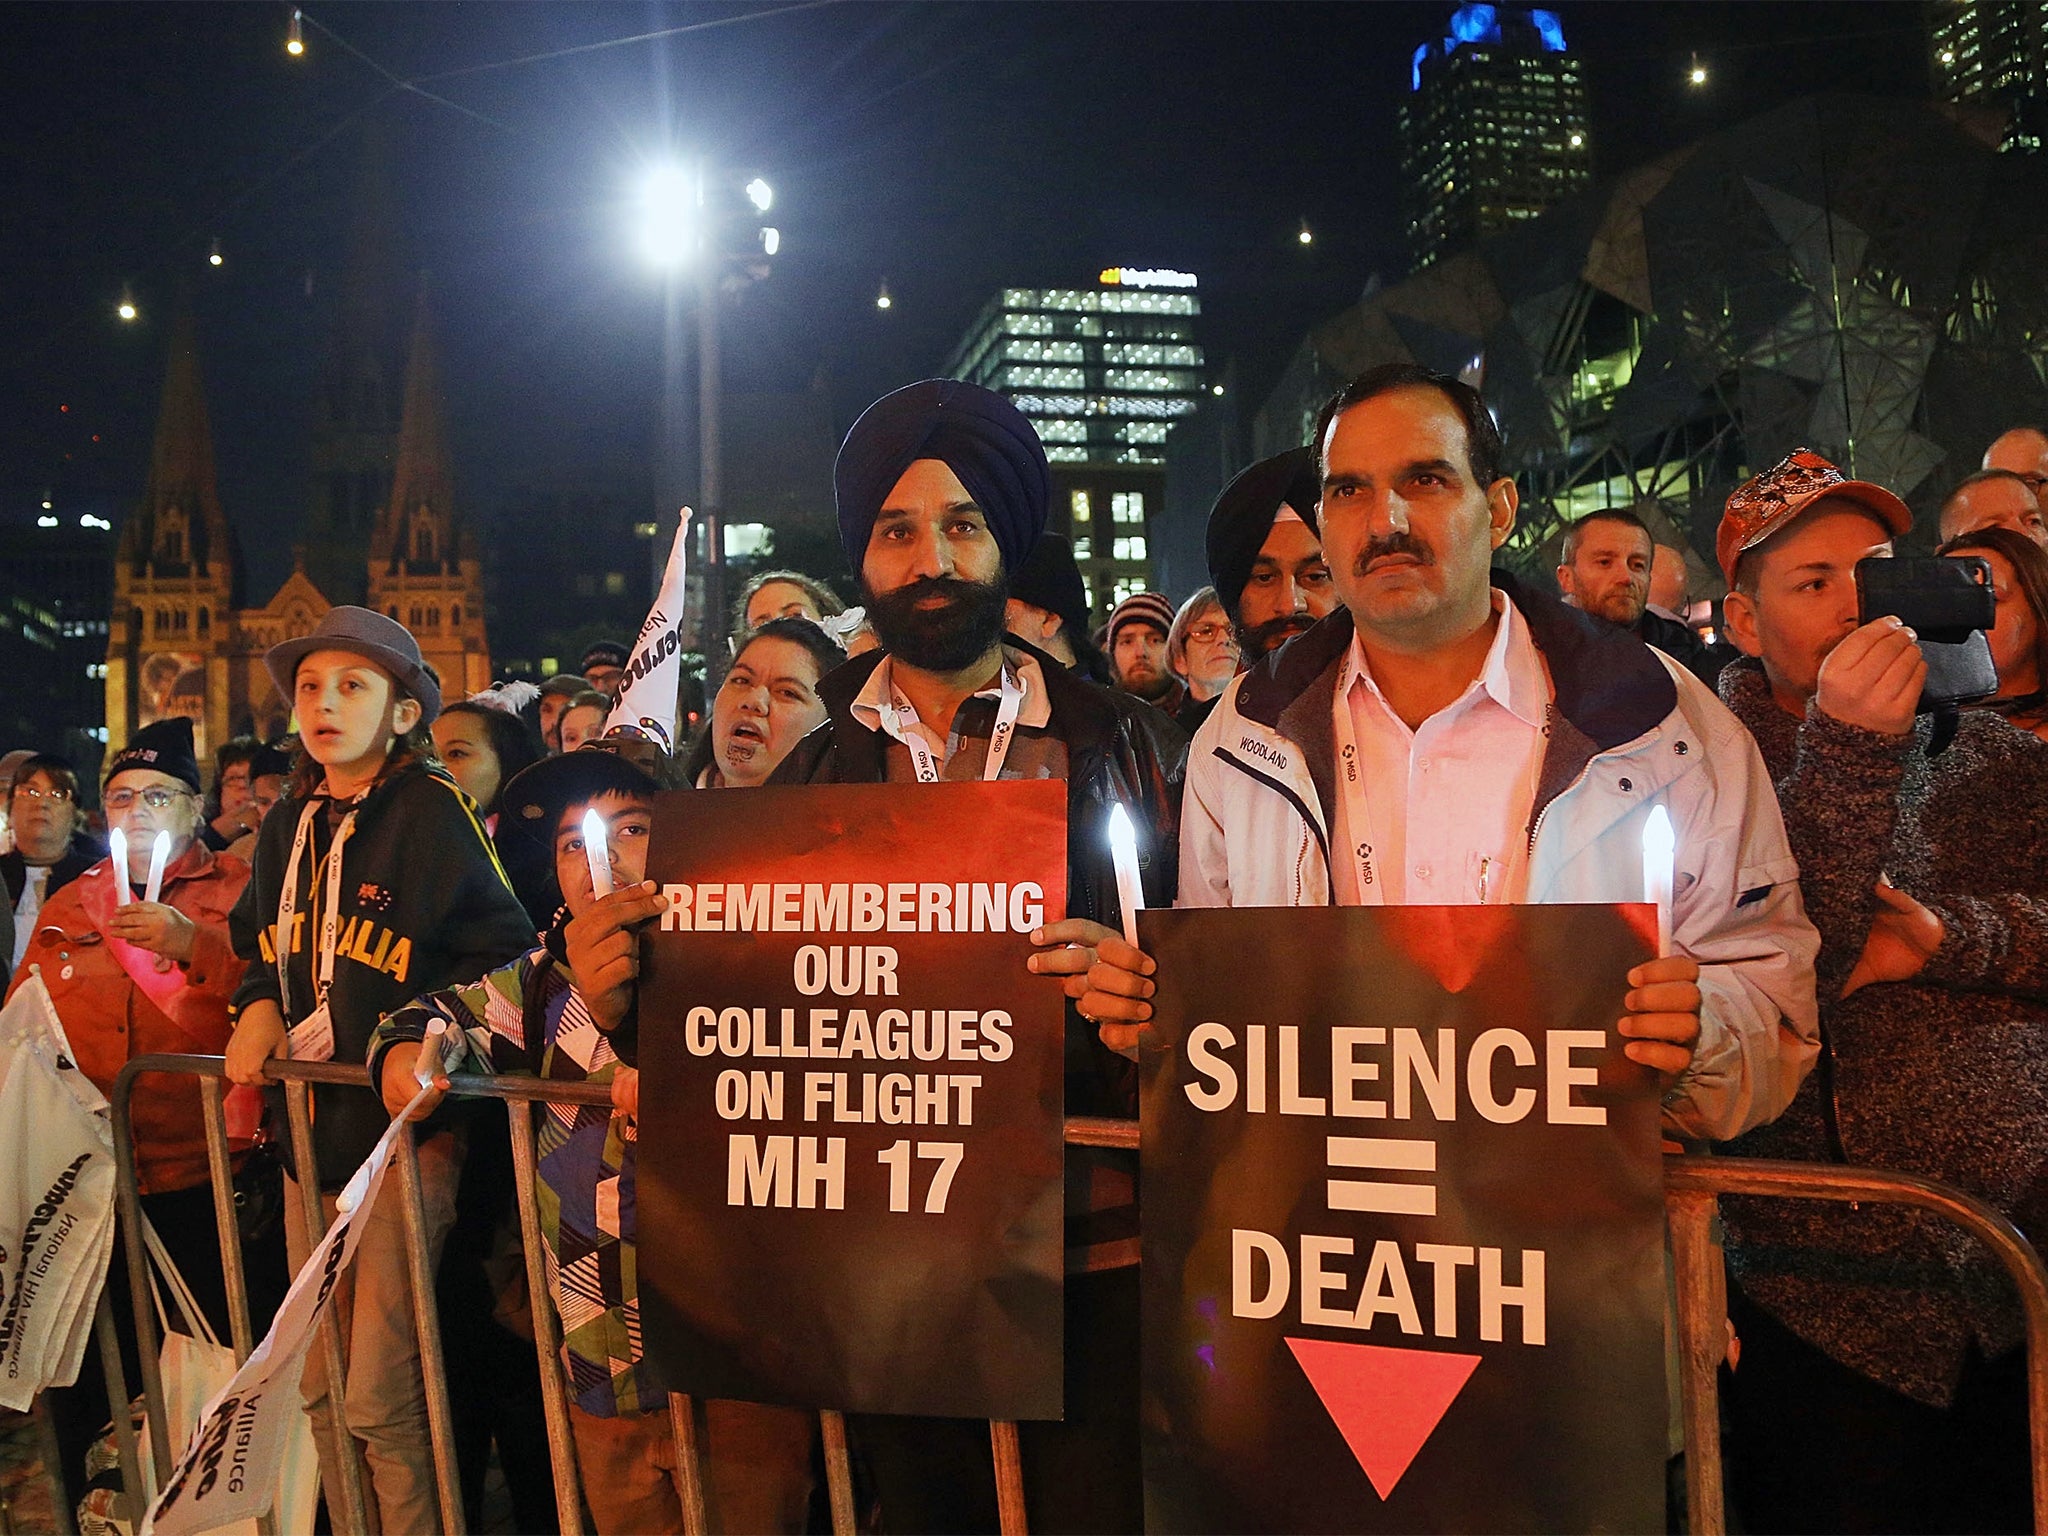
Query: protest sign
[
  {"x": 849, "y": 1181},
  {"x": 1403, "y": 1234},
  {"x": 230, "y": 1466}
]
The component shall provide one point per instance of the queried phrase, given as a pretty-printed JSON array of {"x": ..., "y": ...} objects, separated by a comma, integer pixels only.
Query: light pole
[{"x": 690, "y": 218}]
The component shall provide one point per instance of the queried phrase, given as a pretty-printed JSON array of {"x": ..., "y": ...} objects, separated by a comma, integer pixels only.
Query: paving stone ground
[{"x": 24, "y": 1492}]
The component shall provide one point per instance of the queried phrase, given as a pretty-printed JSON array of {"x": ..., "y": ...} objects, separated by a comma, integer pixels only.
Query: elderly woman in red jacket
[{"x": 136, "y": 979}]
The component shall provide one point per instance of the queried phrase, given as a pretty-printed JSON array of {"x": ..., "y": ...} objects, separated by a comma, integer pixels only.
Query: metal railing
[{"x": 1692, "y": 1188}]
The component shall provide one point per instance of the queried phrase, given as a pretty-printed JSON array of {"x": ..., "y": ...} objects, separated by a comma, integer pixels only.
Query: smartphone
[{"x": 1946, "y": 601}]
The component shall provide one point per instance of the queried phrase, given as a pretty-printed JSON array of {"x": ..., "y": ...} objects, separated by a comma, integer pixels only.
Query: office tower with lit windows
[
  {"x": 1102, "y": 373},
  {"x": 1493, "y": 129},
  {"x": 1994, "y": 53}
]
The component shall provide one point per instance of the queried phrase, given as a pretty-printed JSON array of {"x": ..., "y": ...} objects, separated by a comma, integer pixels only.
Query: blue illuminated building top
[
  {"x": 1477, "y": 23},
  {"x": 1473, "y": 24}
]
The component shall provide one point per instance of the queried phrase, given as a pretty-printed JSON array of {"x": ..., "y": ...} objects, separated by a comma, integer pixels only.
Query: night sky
[{"x": 949, "y": 149}]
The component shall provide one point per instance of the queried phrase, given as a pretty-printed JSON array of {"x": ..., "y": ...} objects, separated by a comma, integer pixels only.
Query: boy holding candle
[{"x": 566, "y": 1011}]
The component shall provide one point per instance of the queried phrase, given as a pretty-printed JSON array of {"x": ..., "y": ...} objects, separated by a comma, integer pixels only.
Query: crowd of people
[{"x": 1360, "y": 708}]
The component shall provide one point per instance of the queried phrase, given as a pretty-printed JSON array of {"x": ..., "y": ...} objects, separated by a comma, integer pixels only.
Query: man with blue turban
[{"x": 942, "y": 491}]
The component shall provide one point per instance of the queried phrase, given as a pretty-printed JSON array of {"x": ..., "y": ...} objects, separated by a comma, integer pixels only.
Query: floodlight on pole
[
  {"x": 760, "y": 194},
  {"x": 295, "y": 37},
  {"x": 1307, "y": 235},
  {"x": 1698, "y": 73},
  {"x": 882, "y": 299},
  {"x": 670, "y": 230},
  {"x": 214, "y": 257},
  {"x": 126, "y": 308}
]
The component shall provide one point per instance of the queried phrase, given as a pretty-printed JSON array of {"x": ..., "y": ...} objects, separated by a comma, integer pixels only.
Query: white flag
[
  {"x": 654, "y": 672},
  {"x": 229, "y": 1469},
  {"x": 56, "y": 1200}
]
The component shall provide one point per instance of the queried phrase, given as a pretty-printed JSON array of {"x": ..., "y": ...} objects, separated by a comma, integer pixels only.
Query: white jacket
[{"x": 1628, "y": 729}]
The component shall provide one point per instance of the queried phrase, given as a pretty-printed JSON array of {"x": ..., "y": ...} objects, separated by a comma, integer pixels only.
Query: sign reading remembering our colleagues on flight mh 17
[
  {"x": 1403, "y": 1223},
  {"x": 851, "y": 1196}
]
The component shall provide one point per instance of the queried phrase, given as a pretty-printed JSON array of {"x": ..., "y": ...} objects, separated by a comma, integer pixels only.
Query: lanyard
[
  {"x": 330, "y": 916},
  {"x": 1358, "y": 808},
  {"x": 899, "y": 719}
]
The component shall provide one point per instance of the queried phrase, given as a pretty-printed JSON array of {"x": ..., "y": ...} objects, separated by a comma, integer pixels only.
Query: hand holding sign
[
  {"x": 603, "y": 946},
  {"x": 1662, "y": 1024}
]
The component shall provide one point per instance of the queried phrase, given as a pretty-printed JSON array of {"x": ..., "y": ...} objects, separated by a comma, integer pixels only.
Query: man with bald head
[
  {"x": 1994, "y": 498},
  {"x": 2023, "y": 451}
]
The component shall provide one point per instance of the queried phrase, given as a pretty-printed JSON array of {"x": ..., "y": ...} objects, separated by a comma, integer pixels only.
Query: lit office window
[{"x": 1127, "y": 507}]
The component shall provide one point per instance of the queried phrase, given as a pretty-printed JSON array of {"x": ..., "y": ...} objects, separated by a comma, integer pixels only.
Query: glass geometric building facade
[
  {"x": 1994, "y": 53},
  {"x": 1864, "y": 276},
  {"x": 1493, "y": 130},
  {"x": 1102, "y": 373}
]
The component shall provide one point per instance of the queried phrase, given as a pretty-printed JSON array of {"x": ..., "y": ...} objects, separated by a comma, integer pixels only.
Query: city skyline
[{"x": 552, "y": 326}]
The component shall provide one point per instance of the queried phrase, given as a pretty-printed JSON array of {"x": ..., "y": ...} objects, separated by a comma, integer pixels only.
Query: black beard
[
  {"x": 1263, "y": 639},
  {"x": 939, "y": 639}
]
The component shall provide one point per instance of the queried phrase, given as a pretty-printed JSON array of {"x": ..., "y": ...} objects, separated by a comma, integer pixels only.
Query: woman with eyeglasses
[
  {"x": 1202, "y": 650},
  {"x": 133, "y": 977},
  {"x": 52, "y": 844}
]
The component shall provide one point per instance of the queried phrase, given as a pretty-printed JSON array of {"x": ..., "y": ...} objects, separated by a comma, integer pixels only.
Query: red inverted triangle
[{"x": 1386, "y": 1402}]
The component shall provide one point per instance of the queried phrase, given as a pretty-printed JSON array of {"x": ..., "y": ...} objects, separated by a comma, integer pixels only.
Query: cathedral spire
[
  {"x": 179, "y": 521},
  {"x": 418, "y": 528}
]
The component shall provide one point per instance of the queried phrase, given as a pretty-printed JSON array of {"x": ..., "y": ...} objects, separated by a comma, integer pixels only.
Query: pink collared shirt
[{"x": 1439, "y": 816}]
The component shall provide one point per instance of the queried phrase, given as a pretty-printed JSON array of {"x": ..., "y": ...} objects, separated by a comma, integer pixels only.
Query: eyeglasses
[
  {"x": 156, "y": 799},
  {"x": 30, "y": 792},
  {"x": 1202, "y": 634}
]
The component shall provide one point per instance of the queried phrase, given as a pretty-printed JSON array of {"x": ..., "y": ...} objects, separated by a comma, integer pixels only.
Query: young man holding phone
[{"x": 1880, "y": 1386}]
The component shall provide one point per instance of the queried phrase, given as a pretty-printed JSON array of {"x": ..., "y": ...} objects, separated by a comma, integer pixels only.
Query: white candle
[
  {"x": 159, "y": 855},
  {"x": 428, "y": 1066},
  {"x": 1660, "y": 851},
  {"x": 598, "y": 851},
  {"x": 1123, "y": 853},
  {"x": 117, "y": 856}
]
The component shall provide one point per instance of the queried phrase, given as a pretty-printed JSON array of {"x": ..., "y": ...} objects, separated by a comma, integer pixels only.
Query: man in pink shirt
[{"x": 1447, "y": 736}]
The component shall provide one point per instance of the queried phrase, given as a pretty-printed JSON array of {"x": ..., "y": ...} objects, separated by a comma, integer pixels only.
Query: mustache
[
  {"x": 952, "y": 588},
  {"x": 1401, "y": 542}
]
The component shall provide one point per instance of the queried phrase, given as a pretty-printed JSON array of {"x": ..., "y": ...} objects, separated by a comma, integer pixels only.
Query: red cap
[{"x": 1762, "y": 505}]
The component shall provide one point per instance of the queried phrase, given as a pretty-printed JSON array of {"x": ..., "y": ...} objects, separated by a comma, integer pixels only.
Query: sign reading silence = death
[{"x": 1403, "y": 1223}]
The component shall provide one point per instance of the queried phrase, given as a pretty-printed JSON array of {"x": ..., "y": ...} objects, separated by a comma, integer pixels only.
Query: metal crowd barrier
[{"x": 1692, "y": 1187}]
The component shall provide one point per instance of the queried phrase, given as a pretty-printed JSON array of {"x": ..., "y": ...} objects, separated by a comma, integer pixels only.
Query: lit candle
[
  {"x": 159, "y": 855},
  {"x": 1123, "y": 853},
  {"x": 1660, "y": 851},
  {"x": 598, "y": 852},
  {"x": 117, "y": 856}
]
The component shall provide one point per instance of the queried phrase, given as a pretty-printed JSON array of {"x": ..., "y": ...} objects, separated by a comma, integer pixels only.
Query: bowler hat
[{"x": 368, "y": 634}]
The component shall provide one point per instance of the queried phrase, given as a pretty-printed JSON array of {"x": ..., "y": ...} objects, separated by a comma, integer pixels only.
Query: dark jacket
[
  {"x": 1683, "y": 645},
  {"x": 1120, "y": 751},
  {"x": 1945, "y": 1075},
  {"x": 83, "y": 853},
  {"x": 424, "y": 905}
]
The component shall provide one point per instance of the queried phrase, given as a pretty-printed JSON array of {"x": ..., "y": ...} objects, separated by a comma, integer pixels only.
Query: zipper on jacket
[{"x": 1301, "y": 809}]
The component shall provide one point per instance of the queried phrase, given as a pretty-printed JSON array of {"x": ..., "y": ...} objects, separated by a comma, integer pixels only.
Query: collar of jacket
[
  {"x": 1610, "y": 689},
  {"x": 1084, "y": 716}
]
